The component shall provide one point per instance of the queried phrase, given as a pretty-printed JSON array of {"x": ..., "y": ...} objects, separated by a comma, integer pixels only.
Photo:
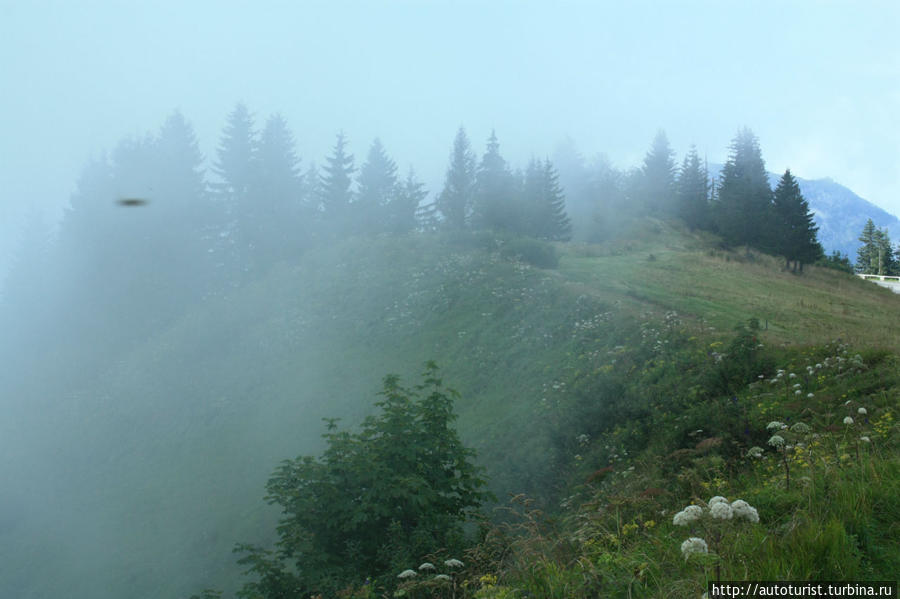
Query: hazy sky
[{"x": 818, "y": 81}]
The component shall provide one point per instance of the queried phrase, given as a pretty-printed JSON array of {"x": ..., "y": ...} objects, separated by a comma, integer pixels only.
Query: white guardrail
[{"x": 891, "y": 282}]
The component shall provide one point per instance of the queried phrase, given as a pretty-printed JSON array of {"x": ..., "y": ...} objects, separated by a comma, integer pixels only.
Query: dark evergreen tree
[
  {"x": 793, "y": 227},
  {"x": 887, "y": 264},
  {"x": 543, "y": 203},
  {"x": 377, "y": 189},
  {"x": 403, "y": 212},
  {"x": 867, "y": 255},
  {"x": 335, "y": 187},
  {"x": 657, "y": 184},
  {"x": 236, "y": 171},
  {"x": 455, "y": 201},
  {"x": 282, "y": 225},
  {"x": 236, "y": 155},
  {"x": 495, "y": 205},
  {"x": 692, "y": 192},
  {"x": 744, "y": 196}
]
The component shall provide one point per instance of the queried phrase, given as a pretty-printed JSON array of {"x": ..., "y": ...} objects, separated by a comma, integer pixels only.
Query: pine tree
[
  {"x": 658, "y": 176},
  {"x": 377, "y": 185},
  {"x": 887, "y": 265},
  {"x": 236, "y": 156},
  {"x": 867, "y": 254},
  {"x": 403, "y": 212},
  {"x": 281, "y": 227},
  {"x": 692, "y": 192},
  {"x": 793, "y": 227},
  {"x": 543, "y": 203},
  {"x": 494, "y": 203},
  {"x": 744, "y": 196},
  {"x": 455, "y": 201},
  {"x": 335, "y": 187}
]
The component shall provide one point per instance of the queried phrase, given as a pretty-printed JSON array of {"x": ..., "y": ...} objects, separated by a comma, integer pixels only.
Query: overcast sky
[{"x": 817, "y": 81}]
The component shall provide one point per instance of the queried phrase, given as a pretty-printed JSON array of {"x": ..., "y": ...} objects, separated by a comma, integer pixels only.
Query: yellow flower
[
  {"x": 649, "y": 524},
  {"x": 488, "y": 580}
]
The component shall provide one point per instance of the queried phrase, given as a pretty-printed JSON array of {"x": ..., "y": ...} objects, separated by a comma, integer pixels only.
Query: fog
[{"x": 128, "y": 349}]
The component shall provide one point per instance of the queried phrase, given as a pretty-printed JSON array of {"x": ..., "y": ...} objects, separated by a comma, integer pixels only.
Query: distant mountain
[{"x": 840, "y": 213}]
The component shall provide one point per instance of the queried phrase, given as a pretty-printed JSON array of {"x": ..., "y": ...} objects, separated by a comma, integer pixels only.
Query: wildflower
[
  {"x": 717, "y": 499},
  {"x": 453, "y": 563},
  {"x": 865, "y": 439},
  {"x": 792, "y": 375},
  {"x": 407, "y": 574},
  {"x": 721, "y": 510},
  {"x": 755, "y": 452},
  {"x": 848, "y": 421},
  {"x": 742, "y": 509},
  {"x": 862, "y": 411},
  {"x": 797, "y": 386},
  {"x": 809, "y": 396},
  {"x": 687, "y": 515},
  {"x": 798, "y": 392},
  {"x": 694, "y": 545},
  {"x": 443, "y": 577},
  {"x": 427, "y": 566},
  {"x": 800, "y": 428},
  {"x": 775, "y": 426},
  {"x": 776, "y": 441}
]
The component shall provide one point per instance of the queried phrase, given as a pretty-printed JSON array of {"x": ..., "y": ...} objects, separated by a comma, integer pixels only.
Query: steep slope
[{"x": 141, "y": 482}]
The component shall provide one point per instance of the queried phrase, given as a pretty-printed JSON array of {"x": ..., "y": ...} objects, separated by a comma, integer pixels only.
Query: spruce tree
[
  {"x": 867, "y": 254},
  {"x": 455, "y": 201},
  {"x": 744, "y": 196},
  {"x": 403, "y": 212},
  {"x": 692, "y": 192},
  {"x": 281, "y": 225},
  {"x": 793, "y": 226},
  {"x": 335, "y": 187},
  {"x": 658, "y": 176},
  {"x": 543, "y": 203},
  {"x": 495, "y": 203},
  {"x": 377, "y": 186},
  {"x": 236, "y": 155}
]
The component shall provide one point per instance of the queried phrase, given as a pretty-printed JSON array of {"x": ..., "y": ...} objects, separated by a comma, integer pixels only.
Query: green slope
[{"x": 159, "y": 462}]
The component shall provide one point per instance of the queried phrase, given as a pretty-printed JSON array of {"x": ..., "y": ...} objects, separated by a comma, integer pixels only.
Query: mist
[{"x": 166, "y": 341}]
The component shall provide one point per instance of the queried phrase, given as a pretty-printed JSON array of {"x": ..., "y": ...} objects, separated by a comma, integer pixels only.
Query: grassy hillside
[{"x": 167, "y": 450}]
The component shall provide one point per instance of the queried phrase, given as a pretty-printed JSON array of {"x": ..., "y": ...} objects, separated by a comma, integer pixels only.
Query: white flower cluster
[
  {"x": 687, "y": 515},
  {"x": 742, "y": 509},
  {"x": 719, "y": 509},
  {"x": 755, "y": 452},
  {"x": 694, "y": 545},
  {"x": 776, "y": 441},
  {"x": 800, "y": 428},
  {"x": 776, "y": 426}
]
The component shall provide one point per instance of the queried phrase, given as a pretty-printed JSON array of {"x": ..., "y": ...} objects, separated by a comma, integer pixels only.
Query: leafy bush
[
  {"x": 532, "y": 251},
  {"x": 374, "y": 501}
]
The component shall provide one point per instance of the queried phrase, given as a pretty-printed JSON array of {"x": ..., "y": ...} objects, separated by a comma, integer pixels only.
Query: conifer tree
[
  {"x": 455, "y": 201},
  {"x": 281, "y": 224},
  {"x": 658, "y": 176},
  {"x": 236, "y": 155},
  {"x": 403, "y": 212},
  {"x": 793, "y": 225},
  {"x": 867, "y": 254},
  {"x": 692, "y": 192},
  {"x": 377, "y": 185},
  {"x": 543, "y": 203},
  {"x": 744, "y": 196},
  {"x": 335, "y": 187},
  {"x": 494, "y": 205}
]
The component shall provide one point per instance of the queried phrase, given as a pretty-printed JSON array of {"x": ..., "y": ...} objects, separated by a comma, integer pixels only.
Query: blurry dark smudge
[{"x": 132, "y": 202}]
